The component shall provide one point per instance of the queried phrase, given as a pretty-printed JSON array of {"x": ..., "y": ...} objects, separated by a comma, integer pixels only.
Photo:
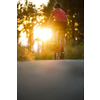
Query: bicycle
[{"x": 58, "y": 46}]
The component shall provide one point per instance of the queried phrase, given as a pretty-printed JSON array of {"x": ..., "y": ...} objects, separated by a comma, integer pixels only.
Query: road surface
[{"x": 50, "y": 80}]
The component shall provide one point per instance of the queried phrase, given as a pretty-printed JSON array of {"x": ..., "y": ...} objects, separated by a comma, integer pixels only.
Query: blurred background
[{"x": 34, "y": 37}]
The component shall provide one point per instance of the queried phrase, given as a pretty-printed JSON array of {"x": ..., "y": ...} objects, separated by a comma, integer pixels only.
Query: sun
[{"x": 42, "y": 33}]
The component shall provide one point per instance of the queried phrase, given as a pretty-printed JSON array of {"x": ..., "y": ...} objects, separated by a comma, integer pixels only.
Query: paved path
[{"x": 50, "y": 80}]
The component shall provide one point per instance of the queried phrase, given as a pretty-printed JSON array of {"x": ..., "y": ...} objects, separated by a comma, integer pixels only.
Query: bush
[
  {"x": 72, "y": 51},
  {"x": 23, "y": 53},
  {"x": 75, "y": 51},
  {"x": 43, "y": 57}
]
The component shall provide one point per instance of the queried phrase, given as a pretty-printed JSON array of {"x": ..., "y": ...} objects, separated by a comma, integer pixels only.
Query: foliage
[
  {"x": 47, "y": 52},
  {"x": 75, "y": 28},
  {"x": 71, "y": 52},
  {"x": 75, "y": 13},
  {"x": 24, "y": 54},
  {"x": 74, "y": 52},
  {"x": 43, "y": 57},
  {"x": 25, "y": 18}
]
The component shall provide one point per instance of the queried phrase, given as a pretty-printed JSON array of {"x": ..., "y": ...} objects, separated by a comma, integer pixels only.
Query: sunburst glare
[
  {"x": 42, "y": 33},
  {"x": 23, "y": 39}
]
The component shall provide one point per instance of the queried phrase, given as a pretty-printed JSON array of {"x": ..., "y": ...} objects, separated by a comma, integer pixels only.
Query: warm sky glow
[
  {"x": 37, "y": 2},
  {"x": 35, "y": 46},
  {"x": 23, "y": 39},
  {"x": 42, "y": 33}
]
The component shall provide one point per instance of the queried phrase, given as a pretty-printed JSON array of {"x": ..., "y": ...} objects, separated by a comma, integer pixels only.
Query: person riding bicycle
[{"x": 61, "y": 20}]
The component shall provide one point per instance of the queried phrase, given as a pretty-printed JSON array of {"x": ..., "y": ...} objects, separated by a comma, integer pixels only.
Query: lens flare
[{"x": 42, "y": 33}]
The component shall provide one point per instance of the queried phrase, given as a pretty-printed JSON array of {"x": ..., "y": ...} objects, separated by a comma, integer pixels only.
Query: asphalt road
[{"x": 50, "y": 80}]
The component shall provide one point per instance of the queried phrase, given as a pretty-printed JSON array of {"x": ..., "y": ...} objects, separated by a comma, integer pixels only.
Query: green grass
[
  {"x": 75, "y": 51},
  {"x": 23, "y": 54}
]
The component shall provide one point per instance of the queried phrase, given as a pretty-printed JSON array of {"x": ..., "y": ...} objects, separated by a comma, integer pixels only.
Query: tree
[
  {"x": 75, "y": 12},
  {"x": 26, "y": 18}
]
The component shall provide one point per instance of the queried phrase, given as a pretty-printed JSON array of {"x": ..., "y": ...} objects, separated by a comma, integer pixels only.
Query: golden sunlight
[
  {"x": 20, "y": 27},
  {"x": 35, "y": 46},
  {"x": 37, "y": 2},
  {"x": 42, "y": 33},
  {"x": 23, "y": 39}
]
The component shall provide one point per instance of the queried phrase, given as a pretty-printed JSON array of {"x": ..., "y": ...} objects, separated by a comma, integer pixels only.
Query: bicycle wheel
[
  {"x": 59, "y": 54},
  {"x": 60, "y": 44},
  {"x": 54, "y": 53},
  {"x": 62, "y": 53},
  {"x": 54, "y": 56},
  {"x": 55, "y": 45}
]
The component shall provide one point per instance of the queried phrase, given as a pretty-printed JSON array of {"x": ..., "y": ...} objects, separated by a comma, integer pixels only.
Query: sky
[{"x": 37, "y": 2}]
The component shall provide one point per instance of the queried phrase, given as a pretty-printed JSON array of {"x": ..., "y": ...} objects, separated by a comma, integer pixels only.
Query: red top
[{"x": 59, "y": 16}]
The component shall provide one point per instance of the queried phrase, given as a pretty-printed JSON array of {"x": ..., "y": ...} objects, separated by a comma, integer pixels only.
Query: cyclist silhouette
[{"x": 60, "y": 22}]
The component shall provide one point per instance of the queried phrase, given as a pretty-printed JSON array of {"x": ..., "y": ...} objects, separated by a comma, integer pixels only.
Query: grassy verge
[
  {"x": 74, "y": 51},
  {"x": 23, "y": 54},
  {"x": 71, "y": 52}
]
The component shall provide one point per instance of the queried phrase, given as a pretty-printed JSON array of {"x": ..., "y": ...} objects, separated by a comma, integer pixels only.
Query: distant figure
[{"x": 61, "y": 20}]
